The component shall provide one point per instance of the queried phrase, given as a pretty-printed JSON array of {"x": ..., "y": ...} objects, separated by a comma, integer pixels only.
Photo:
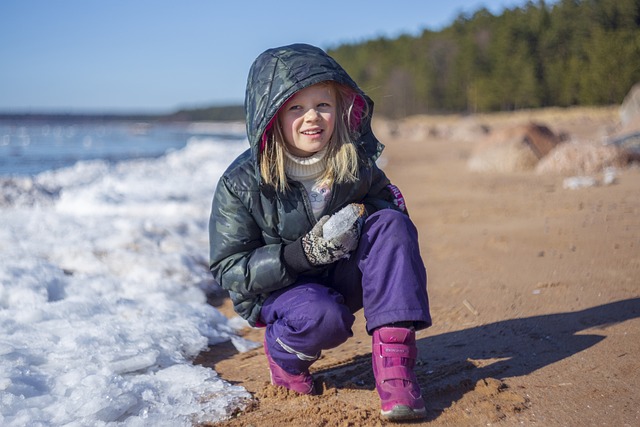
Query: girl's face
[{"x": 308, "y": 119}]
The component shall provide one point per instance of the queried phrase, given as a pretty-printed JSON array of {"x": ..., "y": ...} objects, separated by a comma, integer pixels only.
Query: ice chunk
[
  {"x": 135, "y": 363},
  {"x": 576, "y": 182},
  {"x": 243, "y": 345},
  {"x": 610, "y": 176},
  {"x": 342, "y": 220}
]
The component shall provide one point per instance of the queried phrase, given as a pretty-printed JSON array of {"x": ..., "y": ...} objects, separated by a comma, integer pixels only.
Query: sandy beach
[{"x": 534, "y": 291}]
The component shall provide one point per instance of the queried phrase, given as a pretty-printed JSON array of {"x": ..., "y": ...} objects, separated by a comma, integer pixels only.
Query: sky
[{"x": 158, "y": 56}]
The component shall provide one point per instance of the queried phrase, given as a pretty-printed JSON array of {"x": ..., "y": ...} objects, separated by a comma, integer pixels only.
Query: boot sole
[{"x": 403, "y": 412}]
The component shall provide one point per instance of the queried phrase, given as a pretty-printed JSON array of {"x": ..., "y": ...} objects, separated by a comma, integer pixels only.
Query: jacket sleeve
[
  {"x": 240, "y": 260},
  {"x": 382, "y": 194}
]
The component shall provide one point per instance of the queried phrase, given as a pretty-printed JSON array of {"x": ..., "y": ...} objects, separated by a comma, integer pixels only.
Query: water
[
  {"x": 104, "y": 276},
  {"x": 31, "y": 147}
]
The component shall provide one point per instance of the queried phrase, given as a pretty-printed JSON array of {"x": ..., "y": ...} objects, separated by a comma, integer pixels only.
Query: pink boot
[
  {"x": 394, "y": 356},
  {"x": 301, "y": 383}
]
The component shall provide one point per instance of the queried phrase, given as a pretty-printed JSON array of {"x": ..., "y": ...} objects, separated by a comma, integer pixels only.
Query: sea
[
  {"x": 104, "y": 277},
  {"x": 29, "y": 147}
]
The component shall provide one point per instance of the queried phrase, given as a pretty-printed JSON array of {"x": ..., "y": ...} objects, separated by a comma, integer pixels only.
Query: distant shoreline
[{"x": 222, "y": 114}]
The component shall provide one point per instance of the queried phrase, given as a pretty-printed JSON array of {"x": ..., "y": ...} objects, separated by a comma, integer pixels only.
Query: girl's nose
[{"x": 311, "y": 115}]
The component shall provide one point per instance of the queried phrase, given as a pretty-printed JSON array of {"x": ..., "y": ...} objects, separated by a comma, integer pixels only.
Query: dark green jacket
[{"x": 254, "y": 230}]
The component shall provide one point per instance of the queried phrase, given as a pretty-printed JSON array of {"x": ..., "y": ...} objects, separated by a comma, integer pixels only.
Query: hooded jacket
[{"x": 255, "y": 231}]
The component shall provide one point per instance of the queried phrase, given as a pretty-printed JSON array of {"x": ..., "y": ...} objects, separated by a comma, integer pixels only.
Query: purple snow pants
[{"x": 385, "y": 275}]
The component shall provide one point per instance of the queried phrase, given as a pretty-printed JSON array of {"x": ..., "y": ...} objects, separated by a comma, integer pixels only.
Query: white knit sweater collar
[{"x": 305, "y": 168}]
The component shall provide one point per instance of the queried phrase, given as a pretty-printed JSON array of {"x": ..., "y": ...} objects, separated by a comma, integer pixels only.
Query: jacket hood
[{"x": 278, "y": 73}]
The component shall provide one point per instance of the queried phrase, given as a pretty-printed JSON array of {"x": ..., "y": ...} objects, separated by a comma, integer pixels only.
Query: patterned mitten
[{"x": 321, "y": 251}]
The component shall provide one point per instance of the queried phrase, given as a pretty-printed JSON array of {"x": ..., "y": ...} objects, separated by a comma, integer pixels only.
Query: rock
[
  {"x": 630, "y": 108},
  {"x": 582, "y": 158},
  {"x": 517, "y": 148},
  {"x": 627, "y": 135}
]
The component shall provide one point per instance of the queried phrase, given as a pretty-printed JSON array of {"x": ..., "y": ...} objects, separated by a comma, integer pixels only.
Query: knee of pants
[
  {"x": 334, "y": 322},
  {"x": 394, "y": 227},
  {"x": 392, "y": 218},
  {"x": 309, "y": 318},
  {"x": 326, "y": 324}
]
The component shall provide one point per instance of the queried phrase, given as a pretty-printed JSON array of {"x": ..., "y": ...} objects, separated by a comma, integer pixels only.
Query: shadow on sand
[{"x": 451, "y": 364}]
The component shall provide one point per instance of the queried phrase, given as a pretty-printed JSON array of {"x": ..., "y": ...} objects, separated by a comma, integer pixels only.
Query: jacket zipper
[{"x": 305, "y": 201}]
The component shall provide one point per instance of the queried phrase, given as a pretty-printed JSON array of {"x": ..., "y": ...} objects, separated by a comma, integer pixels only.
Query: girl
[{"x": 312, "y": 152}]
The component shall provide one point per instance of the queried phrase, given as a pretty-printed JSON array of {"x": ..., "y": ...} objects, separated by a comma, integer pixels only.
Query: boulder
[
  {"x": 582, "y": 158},
  {"x": 630, "y": 108},
  {"x": 627, "y": 135},
  {"x": 513, "y": 149}
]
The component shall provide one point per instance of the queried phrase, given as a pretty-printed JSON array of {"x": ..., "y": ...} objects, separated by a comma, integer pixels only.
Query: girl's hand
[{"x": 321, "y": 251}]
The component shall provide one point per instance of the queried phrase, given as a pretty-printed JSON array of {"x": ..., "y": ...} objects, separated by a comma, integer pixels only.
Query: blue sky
[{"x": 158, "y": 56}]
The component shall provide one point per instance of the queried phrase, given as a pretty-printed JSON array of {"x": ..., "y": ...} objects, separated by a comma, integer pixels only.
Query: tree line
[{"x": 564, "y": 53}]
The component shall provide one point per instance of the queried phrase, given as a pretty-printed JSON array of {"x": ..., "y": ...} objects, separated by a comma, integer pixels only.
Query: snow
[{"x": 103, "y": 274}]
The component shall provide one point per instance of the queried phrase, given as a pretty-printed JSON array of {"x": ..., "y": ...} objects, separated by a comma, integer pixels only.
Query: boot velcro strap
[
  {"x": 395, "y": 373},
  {"x": 398, "y": 350}
]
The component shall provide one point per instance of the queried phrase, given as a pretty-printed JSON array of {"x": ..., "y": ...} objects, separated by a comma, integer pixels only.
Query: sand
[{"x": 534, "y": 291}]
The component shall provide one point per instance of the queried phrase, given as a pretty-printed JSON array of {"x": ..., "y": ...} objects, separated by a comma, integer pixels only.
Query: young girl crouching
[{"x": 312, "y": 154}]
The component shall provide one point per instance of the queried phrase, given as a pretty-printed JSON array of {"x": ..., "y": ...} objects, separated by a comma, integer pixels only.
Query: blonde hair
[{"x": 342, "y": 158}]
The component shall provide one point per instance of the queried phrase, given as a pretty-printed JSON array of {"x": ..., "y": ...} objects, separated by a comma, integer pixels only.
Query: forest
[{"x": 563, "y": 53}]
